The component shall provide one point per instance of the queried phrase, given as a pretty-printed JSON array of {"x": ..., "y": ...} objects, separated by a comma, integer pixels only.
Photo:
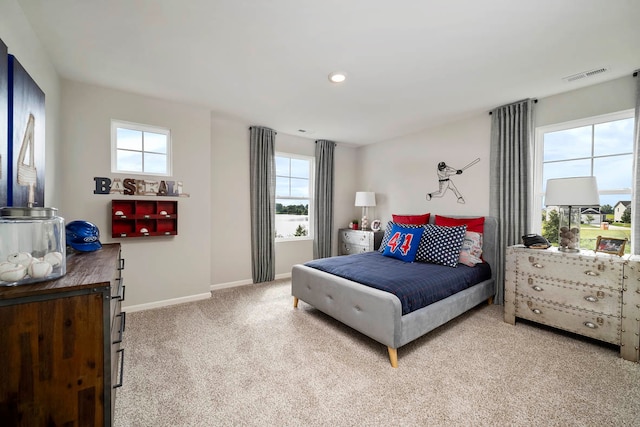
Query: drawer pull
[
  {"x": 120, "y": 332},
  {"x": 591, "y": 273},
  {"x": 590, "y": 325},
  {"x": 121, "y": 351},
  {"x": 120, "y": 281},
  {"x": 536, "y": 265},
  {"x": 537, "y": 288},
  {"x": 120, "y": 295},
  {"x": 591, "y": 298},
  {"x": 536, "y": 311}
]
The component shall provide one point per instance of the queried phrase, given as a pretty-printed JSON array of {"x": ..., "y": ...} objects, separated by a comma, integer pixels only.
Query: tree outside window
[{"x": 294, "y": 184}]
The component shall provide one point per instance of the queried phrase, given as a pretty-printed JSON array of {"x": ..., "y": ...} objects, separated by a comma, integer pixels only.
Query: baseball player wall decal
[{"x": 445, "y": 172}]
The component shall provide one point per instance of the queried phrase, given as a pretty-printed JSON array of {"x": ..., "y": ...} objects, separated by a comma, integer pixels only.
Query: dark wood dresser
[{"x": 60, "y": 344}]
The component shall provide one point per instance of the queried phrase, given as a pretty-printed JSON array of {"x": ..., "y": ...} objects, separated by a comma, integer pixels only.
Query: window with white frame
[
  {"x": 140, "y": 149},
  {"x": 294, "y": 191},
  {"x": 599, "y": 146}
]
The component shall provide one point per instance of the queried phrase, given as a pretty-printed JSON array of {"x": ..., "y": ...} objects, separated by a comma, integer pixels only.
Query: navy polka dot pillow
[
  {"x": 387, "y": 233},
  {"x": 441, "y": 245}
]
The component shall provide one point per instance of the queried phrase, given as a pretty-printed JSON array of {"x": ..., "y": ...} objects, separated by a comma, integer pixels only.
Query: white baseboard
[
  {"x": 245, "y": 282},
  {"x": 230, "y": 285},
  {"x": 197, "y": 297},
  {"x": 166, "y": 303},
  {"x": 283, "y": 276}
]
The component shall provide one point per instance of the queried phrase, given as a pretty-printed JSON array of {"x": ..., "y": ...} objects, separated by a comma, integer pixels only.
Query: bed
[{"x": 378, "y": 313}]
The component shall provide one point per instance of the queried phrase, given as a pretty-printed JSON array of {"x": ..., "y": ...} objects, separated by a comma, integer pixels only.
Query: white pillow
[{"x": 471, "y": 250}]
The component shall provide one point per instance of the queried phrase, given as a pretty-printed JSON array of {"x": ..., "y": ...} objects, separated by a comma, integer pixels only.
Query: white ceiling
[{"x": 411, "y": 64}]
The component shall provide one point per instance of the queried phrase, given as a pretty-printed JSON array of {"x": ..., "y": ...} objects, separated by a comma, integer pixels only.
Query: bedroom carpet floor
[{"x": 245, "y": 357}]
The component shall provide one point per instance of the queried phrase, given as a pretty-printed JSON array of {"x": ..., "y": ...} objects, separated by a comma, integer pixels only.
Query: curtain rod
[
  {"x": 535, "y": 101},
  {"x": 263, "y": 127}
]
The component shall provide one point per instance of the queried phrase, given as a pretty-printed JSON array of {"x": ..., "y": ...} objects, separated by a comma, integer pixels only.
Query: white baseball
[
  {"x": 22, "y": 258},
  {"x": 6, "y": 265},
  {"x": 10, "y": 272},
  {"x": 39, "y": 269},
  {"x": 163, "y": 212},
  {"x": 53, "y": 258}
]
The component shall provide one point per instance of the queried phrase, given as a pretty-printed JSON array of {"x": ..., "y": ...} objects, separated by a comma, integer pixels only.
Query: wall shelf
[{"x": 143, "y": 218}]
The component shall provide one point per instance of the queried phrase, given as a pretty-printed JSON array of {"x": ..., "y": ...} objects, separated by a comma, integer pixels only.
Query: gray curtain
[
  {"x": 323, "y": 199},
  {"x": 635, "y": 196},
  {"x": 510, "y": 178},
  {"x": 263, "y": 203}
]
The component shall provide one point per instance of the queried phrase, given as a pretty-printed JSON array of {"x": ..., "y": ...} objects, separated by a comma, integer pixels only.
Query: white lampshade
[
  {"x": 365, "y": 198},
  {"x": 574, "y": 191}
]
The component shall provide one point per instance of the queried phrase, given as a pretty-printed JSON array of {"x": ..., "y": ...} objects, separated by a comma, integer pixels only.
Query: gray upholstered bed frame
[{"x": 378, "y": 314}]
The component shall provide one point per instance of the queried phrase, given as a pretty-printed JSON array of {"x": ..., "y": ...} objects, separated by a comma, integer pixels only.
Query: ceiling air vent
[{"x": 585, "y": 74}]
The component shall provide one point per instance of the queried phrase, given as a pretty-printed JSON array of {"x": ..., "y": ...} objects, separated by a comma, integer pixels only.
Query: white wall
[
  {"x": 231, "y": 242},
  {"x": 402, "y": 171},
  {"x": 608, "y": 97},
  {"x": 21, "y": 41},
  {"x": 157, "y": 268},
  {"x": 347, "y": 164},
  {"x": 211, "y": 157},
  {"x": 230, "y": 218}
]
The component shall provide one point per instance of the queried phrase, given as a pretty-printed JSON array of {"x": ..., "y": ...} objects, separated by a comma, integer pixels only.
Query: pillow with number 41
[{"x": 403, "y": 243}]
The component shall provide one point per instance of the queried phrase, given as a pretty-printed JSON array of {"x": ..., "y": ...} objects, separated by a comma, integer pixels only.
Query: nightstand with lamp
[{"x": 363, "y": 240}]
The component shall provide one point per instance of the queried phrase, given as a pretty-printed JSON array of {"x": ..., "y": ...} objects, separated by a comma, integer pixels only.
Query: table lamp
[{"x": 569, "y": 195}]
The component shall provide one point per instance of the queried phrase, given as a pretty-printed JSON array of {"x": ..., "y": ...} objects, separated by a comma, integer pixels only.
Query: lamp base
[
  {"x": 364, "y": 222},
  {"x": 569, "y": 229}
]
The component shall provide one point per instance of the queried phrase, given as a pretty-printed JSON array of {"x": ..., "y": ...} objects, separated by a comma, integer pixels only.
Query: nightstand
[
  {"x": 592, "y": 294},
  {"x": 358, "y": 241}
]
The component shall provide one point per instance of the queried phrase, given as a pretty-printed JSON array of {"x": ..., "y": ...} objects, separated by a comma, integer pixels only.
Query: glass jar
[
  {"x": 32, "y": 245},
  {"x": 569, "y": 229}
]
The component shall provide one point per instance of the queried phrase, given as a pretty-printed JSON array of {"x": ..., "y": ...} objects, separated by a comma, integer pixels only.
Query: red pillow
[
  {"x": 473, "y": 224},
  {"x": 411, "y": 219}
]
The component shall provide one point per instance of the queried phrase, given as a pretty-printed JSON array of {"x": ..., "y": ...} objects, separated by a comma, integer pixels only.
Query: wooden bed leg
[
  {"x": 393, "y": 356},
  {"x": 295, "y": 302},
  {"x": 490, "y": 301}
]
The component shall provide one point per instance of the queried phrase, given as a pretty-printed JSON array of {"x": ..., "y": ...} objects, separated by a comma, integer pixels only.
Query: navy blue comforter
[{"x": 416, "y": 284}]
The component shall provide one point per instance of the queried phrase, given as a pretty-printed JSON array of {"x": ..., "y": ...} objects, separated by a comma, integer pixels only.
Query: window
[
  {"x": 599, "y": 146},
  {"x": 294, "y": 190},
  {"x": 140, "y": 149}
]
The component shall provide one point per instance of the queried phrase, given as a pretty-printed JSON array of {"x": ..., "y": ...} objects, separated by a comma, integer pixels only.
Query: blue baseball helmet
[{"x": 83, "y": 236}]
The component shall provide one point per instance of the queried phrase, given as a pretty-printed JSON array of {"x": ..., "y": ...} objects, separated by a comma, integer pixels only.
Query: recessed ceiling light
[{"x": 337, "y": 77}]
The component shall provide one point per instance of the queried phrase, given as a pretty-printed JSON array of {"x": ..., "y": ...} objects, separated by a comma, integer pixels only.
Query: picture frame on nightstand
[{"x": 610, "y": 245}]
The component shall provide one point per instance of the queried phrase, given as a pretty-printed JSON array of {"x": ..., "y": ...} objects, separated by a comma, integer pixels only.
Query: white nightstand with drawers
[
  {"x": 592, "y": 294},
  {"x": 357, "y": 241}
]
